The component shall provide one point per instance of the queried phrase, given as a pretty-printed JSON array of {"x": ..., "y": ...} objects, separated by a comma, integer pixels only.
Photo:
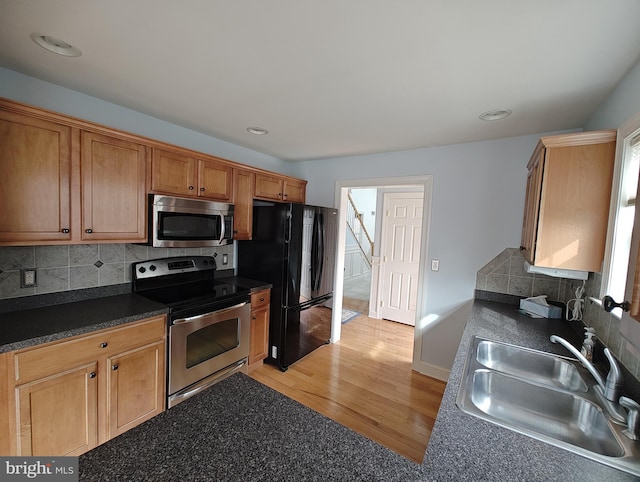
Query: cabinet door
[
  {"x": 531, "y": 208},
  {"x": 259, "y": 331},
  {"x": 136, "y": 387},
  {"x": 574, "y": 207},
  {"x": 35, "y": 185},
  {"x": 113, "y": 189},
  {"x": 243, "y": 204},
  {"x": 58, "y": 414},
  {"x": 294, "y": 191},
  {"x": 173, "y": 173},
  {"x": 215, "y": 180},
  {"x": 268, "y": 187}
]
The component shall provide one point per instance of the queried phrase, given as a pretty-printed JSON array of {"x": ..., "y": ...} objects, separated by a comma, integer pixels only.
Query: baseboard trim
[{"x": 434, "y": 371}]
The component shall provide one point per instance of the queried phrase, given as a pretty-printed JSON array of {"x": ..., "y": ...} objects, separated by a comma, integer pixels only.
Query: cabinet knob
[
  {"x": 286, "y": 195},
  {"x": 65, "y": 230},
  {"x": 522, "y": 248},
  {"x": 104, "y": 344},
  {"x": 253, "y": 318},
  {"x": 114, "y": 367},
  {"x": 88, "y": 231},
  {"x": 201, "y": 189},
  {"x": 92, "y": 375},
  {"x": 261, "y": 299},
  {"x": 190, "y": 188}
]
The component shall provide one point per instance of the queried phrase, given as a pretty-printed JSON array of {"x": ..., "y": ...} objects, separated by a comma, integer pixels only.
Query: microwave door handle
[{"x": 222, "y": 233}]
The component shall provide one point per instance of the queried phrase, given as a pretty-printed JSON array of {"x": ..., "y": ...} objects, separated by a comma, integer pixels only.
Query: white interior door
[{"x": 400, "y": 256}]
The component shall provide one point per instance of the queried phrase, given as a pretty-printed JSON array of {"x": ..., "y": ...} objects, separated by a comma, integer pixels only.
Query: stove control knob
[
  {"x": 152, "y": 267},
  {"x": 142, "y": 269}
]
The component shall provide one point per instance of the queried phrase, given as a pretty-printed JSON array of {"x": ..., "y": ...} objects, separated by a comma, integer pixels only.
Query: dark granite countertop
[
  {"x": 31, "y": 327},
  {"x": 31, "y": 321},
  {"x": 463, "y": 447},
  {"x": 252, "y": 285}
]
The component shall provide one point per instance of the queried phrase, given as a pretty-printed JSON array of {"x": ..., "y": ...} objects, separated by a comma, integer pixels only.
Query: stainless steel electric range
[{"x": 208, "y": 326}]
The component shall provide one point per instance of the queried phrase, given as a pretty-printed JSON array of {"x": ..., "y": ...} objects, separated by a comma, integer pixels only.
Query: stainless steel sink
[
  {"x": 545, "y": 396},
  {"x": 530, "y": 365}
]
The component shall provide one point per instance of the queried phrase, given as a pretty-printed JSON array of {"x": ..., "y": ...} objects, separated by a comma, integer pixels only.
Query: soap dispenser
[{"x": 588, "y": 343}]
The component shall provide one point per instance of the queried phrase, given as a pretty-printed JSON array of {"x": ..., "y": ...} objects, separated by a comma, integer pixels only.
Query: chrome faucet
[
  {"x": 612, "y": 387},
  {"x": 608, "y": 391}
]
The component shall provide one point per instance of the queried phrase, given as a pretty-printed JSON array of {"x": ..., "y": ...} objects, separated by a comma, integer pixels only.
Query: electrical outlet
[
  {"x": 28, "y": 278},
  {"x": 435, "y": 264},
  {"x": 225, "y": 259}
]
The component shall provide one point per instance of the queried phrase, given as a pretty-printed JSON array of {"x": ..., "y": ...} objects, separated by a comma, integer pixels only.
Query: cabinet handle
[
  {"x": 65, "y": 230},
  {"x": 608, "y": 303},
  {"x": 286, "y": 195},
  {"x": 92, "y": 375},
  {"x": 253, "y": 318},
  {"x": 201, "y": 189},
  {"x": 261, "y": 299},
  {"x": 104, "y": 344},
  {"x": 190, "y": 188},
  {"x": 88, "y": 231},
  {"x": 522, "y": 248},
  {"x": 114, "y": 367}
]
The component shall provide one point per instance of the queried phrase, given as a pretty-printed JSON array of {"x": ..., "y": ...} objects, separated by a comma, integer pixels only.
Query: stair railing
[{"x": 359, "y": 230}]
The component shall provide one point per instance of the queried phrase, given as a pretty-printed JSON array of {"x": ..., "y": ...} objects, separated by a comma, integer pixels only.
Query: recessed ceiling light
[
  {"x": 258, "y": 131},
  {"x": 55, "y": 45},
  {"x": 496, "y": 114}
]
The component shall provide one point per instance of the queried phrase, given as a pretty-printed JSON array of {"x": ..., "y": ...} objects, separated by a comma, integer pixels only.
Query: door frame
[{"x": 340, "y": 200}]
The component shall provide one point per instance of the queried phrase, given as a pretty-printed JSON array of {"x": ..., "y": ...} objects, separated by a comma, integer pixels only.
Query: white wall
[
  {"x": 621, "y": 105},
  {"x": 32, "y": 91},
  {"x": 477, "y": 206}
]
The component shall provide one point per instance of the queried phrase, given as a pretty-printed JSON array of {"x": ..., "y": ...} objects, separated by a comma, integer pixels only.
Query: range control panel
[{"x": 167, "y": 266}]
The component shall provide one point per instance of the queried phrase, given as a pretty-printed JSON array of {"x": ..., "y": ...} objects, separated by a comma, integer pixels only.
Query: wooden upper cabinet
[
  {"x": 215, "y": 180},
  {"x": 294, "y": 190},
  {"x": 567, "y": 200},
  {"x": 173, "y": 172},
  {"x": 113, "y": 189},
  {"x": 278, "y": 188},
  {"x": 243, "y": 185},
  {"x": 35, "y": 185}
]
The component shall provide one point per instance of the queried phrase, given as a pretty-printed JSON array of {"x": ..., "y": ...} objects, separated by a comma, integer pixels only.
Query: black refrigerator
[{"x": 293, "y": 248}]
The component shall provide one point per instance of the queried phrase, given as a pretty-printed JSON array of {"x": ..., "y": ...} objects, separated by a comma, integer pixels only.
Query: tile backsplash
[
  {"x": 71, "y": 267},
  {"x": 506, "y": 274}
]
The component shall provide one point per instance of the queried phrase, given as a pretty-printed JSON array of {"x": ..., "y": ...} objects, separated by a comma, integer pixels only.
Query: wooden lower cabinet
[
  {"x": 259, "y": 336},
  {"x": 58, "y": 415},
  {"x": 74, "y": 394},
  {"x": 136, "y": 392}
]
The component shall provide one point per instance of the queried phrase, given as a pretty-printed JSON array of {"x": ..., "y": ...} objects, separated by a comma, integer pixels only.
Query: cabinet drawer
[
  {"x": 260, "y": 299},
  {"x": 51, "y": 358}
]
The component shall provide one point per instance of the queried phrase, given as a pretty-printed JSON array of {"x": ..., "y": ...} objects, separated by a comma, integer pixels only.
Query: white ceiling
[{"x": 331, "y": 78}]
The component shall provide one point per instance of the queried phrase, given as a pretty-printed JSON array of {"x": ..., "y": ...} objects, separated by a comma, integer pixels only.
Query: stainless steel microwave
[{"x": 176, "y": 222}]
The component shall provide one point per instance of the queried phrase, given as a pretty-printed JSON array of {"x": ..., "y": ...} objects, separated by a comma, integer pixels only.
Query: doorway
[{"x": 406, "y": 184}]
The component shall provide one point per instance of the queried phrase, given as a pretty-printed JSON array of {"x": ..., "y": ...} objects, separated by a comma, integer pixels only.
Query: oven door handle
[{"x": 217, "y": 312}]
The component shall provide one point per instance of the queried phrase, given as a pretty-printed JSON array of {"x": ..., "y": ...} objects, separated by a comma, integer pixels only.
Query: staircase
[{"x": 359, "y": 231}]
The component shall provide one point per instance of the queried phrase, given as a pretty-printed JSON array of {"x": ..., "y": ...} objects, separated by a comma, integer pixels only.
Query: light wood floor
[{"x": 365, "y": 382}]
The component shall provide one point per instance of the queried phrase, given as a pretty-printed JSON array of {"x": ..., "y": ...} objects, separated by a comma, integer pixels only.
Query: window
[{"x": 623, "y": 211}]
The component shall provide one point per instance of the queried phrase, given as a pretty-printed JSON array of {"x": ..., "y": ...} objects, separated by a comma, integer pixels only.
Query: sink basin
[
  {"x": 544, "y": 396},
  {"x": 530, "y": 365},
  {"x": 560, "y": 415}
]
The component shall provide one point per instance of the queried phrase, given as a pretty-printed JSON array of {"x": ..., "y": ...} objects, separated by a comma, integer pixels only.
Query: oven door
[{"x": 204, "y": 345}]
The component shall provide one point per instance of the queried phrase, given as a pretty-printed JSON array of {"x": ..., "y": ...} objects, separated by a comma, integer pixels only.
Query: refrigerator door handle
[
  {"x": 317, "y": 251},
  {"x": 310, "y": 303}
]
